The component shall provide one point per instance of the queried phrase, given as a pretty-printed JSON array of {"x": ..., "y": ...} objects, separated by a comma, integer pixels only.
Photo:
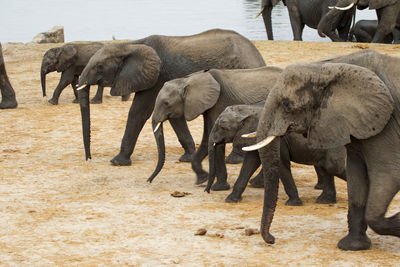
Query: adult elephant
[
  {"x": 143, "y": 66},
  {"x": 364, "y": 31},
  {"x": 387, "y": 12},
  {"x": 208, "y": 94},
  {"x": 352, "y": 100},
  {"x": 239, "y": 119},
  {"x": 8, "y": 99},
  {"x": 70, "y": 60},
  {"x": 305, "y": 12}
]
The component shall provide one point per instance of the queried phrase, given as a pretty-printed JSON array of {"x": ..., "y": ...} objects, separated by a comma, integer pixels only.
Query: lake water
[{"x": 95, "y": 20}]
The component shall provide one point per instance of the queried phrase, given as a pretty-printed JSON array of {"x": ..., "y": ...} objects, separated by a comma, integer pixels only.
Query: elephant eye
[
  {"x": 286, "y": 105},
  {"x": 166, "y": 103},
  {"x": 100, "y": 67}
]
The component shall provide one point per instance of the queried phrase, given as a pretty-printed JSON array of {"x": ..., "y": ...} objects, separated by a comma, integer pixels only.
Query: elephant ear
[
  {"x": 201, "y": 92},
  {"x": 139, "y": 70},
  {"x": 377, "y": 4},
  {"x": 353, "y": 102},
  {"x": 67, "y": 57}
]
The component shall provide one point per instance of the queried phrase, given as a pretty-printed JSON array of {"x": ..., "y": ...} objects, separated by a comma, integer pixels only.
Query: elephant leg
[
  {"x": 8, "y": 99},
  {"x": 386, "y": 22},
  {"x": 140, "y": 111},
  {"x": 201, "y": 153},
  {"x": 295, "y": 20},
  {"x": 379, "y": 197},
  {"x": 75, "y": 81},
  {"x": 328, "y": 194},
  {"x": 67, "y": 77},
  {"x": 250, "y": 164},
  {"x": 258, "y": 180},
  {"x": 357, "y": 188},
  {"x": 125, "y": 98},
  {"x": 320, "y": 182},
  {"x": 98, "y": 98},
  {"x": 236, "y": 156},
  {"x": 185, "y": 138},
  {"x": 289, "y": 184},
  {"x": 221, "y": 184}
]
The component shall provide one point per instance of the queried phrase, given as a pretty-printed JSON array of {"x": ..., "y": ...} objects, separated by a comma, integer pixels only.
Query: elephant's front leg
[
  {"x": 98, "y": 98},
  {"x": 328, "y": 194},
  {"x": 357, "y": 188},
  {"x": 67, "y": 77},
  {"x": 201, "y": 153},
  {"x": 140, "y": 111},
  {"x": 185, "y": 138},
  {"x": 250, "y": 164},
  {"x": 295, "y": 20},
  {"x": 386, "y": 22}
]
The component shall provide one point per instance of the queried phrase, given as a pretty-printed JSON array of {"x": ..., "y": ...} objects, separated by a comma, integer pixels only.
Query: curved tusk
[
  {"x": 250, "y": 135},
  {"x": 342, "y": 8},
  {"x": 259, "y": 145},
  {"x": 259, "y": 13},
  {"x": 157, "y": 126},
  {"x": 81, "y": 87},
  {"x": 214, "y": 144}
]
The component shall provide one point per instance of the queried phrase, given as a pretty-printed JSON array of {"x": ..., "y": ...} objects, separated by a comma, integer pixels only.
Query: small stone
[
  {"x": 180, "y": 194},
  {"x": 201, "y": 231},
  {"x": 251, "y": 231}
]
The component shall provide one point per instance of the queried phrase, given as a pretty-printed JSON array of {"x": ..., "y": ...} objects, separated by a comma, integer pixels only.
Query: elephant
[
  {"x": 208, "y": 93},
  {"x": 239, "y": 119},
  {"x": 387, "y": 12},
  {"x": 8, "y": 99},
  {"x": 143, "y": 66},
  {"x": 352, "y": 101},
  {"x": 70, "y": 60},
  {"x": 305, "y": 12},
  {"x": 364, "y": 31}
]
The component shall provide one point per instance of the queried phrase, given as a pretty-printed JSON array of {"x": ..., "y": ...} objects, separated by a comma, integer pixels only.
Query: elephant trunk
[
  {"x": 43, "y": 81},
  {"x": 83, "y": 95},
  {"x": 266, "y": 14},
  {"x": 270, "y": 157},
  {"x": 211, "y": 160},
  {"x": 159, "y": 135}
]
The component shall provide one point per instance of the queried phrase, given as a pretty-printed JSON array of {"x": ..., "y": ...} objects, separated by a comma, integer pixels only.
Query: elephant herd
[{"x": 341, "y": 115}]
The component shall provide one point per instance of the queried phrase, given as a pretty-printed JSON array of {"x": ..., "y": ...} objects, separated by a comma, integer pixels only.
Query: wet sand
[{"x": 57, "y": 209}]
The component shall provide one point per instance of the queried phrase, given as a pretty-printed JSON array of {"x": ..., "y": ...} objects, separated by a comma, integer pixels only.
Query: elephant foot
[
  {"x": 294, "y": 202},
  {"x": 319, "y": 186},
  {"x": 120, "y": 160},
  {"x": 232, "y": 198},
  {"x": 8, "y": 104},
  {"x": 125, "y": 97},
  {"x": 96, "y": 101},
  {"x": 186, "y": 157},
  {"x": 234, "y": 158},
  {"x": 326, "y": 198},
  {"x": 256, "y": 182},
  {"x": 201, "y": 177},
  {"x": 220, "y": 186},
  {"x": 75, "y": 101},
  {"x": 350, "y": 242},
  {"x": 53, "y": 101}
]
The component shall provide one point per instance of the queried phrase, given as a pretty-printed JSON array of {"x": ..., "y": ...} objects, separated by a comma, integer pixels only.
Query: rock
[
  {"x": 251, "y": 231},
  {"x": 180, "y": 194},
  {"x": 201, "y": 231},
  {"x": 54, "y": 35}
]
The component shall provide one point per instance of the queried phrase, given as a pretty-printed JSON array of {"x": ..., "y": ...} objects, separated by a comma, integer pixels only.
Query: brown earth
[{"x": 57, "y": 209}]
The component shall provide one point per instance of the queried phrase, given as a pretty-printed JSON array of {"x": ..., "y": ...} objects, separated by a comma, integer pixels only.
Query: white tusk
[
  {"x": 81, "y": 87},
  {"x": 342, "y": 8},
  {"x": 250, "y": 135},
  {"x": 259, "y": 13},
  {"x": 259, "y": 145},
  {"x": 214, "y": 144},
  {"x": 157, "y": 126}
]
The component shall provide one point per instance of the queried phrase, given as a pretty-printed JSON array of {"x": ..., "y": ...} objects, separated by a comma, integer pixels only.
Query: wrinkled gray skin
[
  {"x": 209, "y": 93},
  {"x": 70, "y": 60},
  {"x": 364, "y": 31},
  {"x": 336, "y": 104},
  {"x": 386, "y": 10},
  {"x": 239, "y": 119},
  {"x": 305, "y": 12},
  {"x": 143, "y": 66},
  {"x": 8, "y": 99}
]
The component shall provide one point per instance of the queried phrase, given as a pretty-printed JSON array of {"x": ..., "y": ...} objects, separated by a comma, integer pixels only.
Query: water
[{"x": 96, "y": 20}]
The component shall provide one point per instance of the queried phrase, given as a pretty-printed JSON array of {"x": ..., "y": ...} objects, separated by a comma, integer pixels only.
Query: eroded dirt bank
[{"x": 55, "y": 208}]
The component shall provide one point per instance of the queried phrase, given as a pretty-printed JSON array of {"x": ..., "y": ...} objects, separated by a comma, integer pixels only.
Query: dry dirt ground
[{"x": 57, "y": 209}]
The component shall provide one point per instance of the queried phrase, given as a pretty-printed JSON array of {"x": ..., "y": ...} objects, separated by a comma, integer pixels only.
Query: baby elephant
[
  {"x": 239, "y": 119},
  {"x": 70, "y": 60}
]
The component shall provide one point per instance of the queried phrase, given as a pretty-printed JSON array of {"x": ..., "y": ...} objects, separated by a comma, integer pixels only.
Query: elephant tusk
[
  {"x": 250, "y": 135},
  {"x": 259, "y": 13},
  {"x": 259, "y": 145},
  {"x": 214, "y": 144},
  {"x": 157, "y": 126},
  {"x": 342, "y": 8},
  {"x": 81, "y": 87}
]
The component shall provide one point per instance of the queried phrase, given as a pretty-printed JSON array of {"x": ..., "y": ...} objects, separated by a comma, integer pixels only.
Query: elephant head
[
  {"x": 330, "y": 103},
  {"x": 266, "y": 11},
  {"x": 57, "y": 59},
  {"x": 125, "y": 68},
  {"x": 189, "y": 96}
]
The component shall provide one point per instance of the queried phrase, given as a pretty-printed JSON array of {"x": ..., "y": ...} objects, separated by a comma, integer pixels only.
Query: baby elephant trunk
[
  {"x": 211, "y": 159},
  {"x": 43, "y": 81},
  {"x": 159, "y": 135}
]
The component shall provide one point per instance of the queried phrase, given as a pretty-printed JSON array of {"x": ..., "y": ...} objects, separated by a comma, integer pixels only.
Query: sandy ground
[{"x": 57, "y": 209}]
